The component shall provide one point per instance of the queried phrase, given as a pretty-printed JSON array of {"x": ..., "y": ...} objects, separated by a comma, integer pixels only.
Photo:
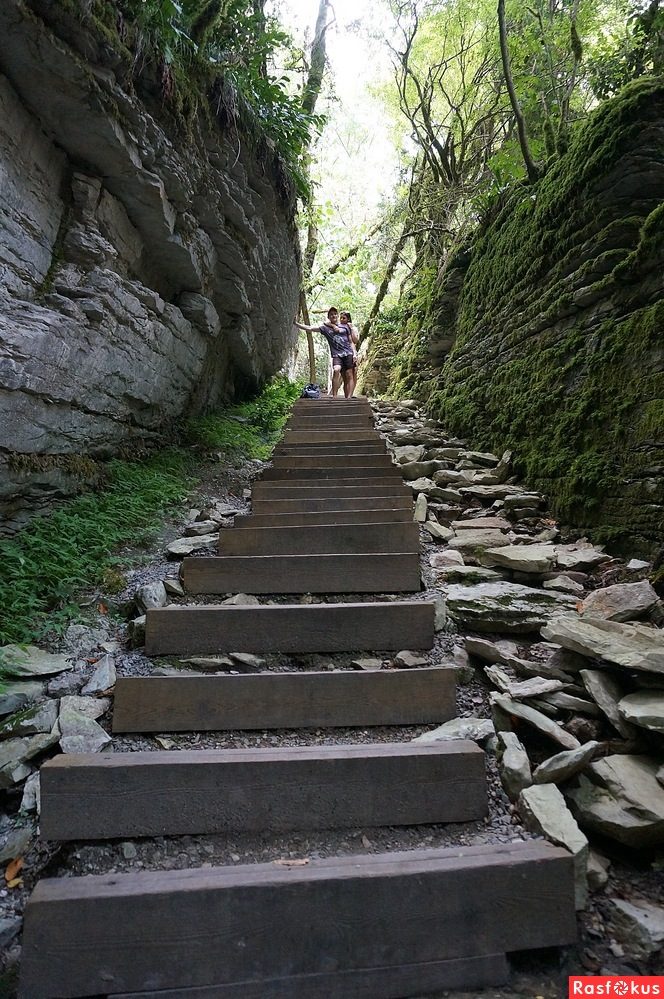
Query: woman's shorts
[{"x": 346, "y": 362}]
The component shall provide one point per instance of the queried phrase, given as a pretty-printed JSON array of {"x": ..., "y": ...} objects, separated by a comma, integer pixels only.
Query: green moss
[{"x": 534, "y": 366}]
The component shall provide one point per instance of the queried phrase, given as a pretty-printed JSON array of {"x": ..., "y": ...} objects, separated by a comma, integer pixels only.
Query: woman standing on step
[
  {"x": 341, "y": 349},
  {"x": 346, "y": 321}
]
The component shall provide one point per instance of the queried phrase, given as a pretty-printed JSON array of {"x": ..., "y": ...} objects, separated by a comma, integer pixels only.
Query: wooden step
[
  {"x": 314, "y": 450},
  {"x": 349, "y": 627},
  {"x": 328, "y": 436},
  {"x": 264, "y": 504},
  {"x": 341, "y": 699},
  {"x": 198, "y": 792},
  {"x": 366, "y": 473},
  {"x": 331, "y": 573},
  {"x": 326, "y": 423},
  {"x": 318, "y": 929},
  {"x": 331, "y": 490},
  {"x": 338, "y": 461},
  {"x": 330, "y": 517},
  {"x": 344, "y": 539}
]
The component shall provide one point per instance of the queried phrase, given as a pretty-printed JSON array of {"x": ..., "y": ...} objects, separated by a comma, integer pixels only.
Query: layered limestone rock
[
  {"x": 146, "y": 271},
  {"x": 544, "y": 335}
]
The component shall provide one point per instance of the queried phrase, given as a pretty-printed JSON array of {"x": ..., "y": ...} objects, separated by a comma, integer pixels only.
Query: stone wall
[
  {"x": 145, "y": 272},
  {"x": 547, "y": 335}
]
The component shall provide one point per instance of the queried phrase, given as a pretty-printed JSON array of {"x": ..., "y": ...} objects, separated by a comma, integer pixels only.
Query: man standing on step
[{"x": 341, "y": 350}]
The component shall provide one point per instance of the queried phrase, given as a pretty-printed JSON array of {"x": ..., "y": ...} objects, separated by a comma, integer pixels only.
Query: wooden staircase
[{"x": 331, "y": 515}]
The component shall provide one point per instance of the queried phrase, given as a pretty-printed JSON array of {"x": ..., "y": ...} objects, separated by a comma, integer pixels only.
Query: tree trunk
[{"x": 531, "y": 168}]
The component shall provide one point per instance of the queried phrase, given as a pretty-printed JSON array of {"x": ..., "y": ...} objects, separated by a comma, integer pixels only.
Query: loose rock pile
[{"x": 578, "y": 718}]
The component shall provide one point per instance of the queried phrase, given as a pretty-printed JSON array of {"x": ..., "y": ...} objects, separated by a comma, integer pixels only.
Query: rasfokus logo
[{"x": 632, "y": 985}]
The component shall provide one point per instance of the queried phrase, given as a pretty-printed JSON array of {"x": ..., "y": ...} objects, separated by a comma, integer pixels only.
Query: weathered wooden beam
[
  {"x": 292, "y": 503},
  {"x": 343, "y": 539},
  {"x": 333, "y": 490},
  {"x": 331, "y": 573},
  {"x": 351, "y": 470},
  {"x": 226, "y": 927},
  {"x": 196, "y": 792},
  {"x": 289, "y": 628},
  {"x": 331, "y": 517},
  {"x": 339, "y": 699}
]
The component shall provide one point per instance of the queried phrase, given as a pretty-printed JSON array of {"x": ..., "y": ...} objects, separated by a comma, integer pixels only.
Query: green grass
[{"x": 79, "y": 545}]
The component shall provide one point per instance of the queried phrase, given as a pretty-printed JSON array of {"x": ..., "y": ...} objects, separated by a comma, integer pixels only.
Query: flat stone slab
[
  {"x": 185, "y": 546},
  {"x": 645, "y": 708},
  {"x": 477, "y": 729},
  {"x": 564, "y": 765},
  {"x": 622, "y": 602},
  {"x": 538, "y": 720},
  {"x": 522, "y": 558},
  {"x": 621, "y": 798},
  {"x": 482, "y": 524},
  {"x": 504, "y": 606},
  {"x": 544, "y": 810},
  {"x": 29, "y": 661},
  {"x": 632, "y": 645}
]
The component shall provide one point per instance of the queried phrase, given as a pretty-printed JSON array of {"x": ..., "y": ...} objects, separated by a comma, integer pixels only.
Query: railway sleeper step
[
  {"x": 337, "y": 489},
  {"x": 342, "y": 539},
  {"x": 328, "y": 436},
  {"x": 362, "y": 460},
  {"x": 294, "y": 502},
  {"x": 347, "y": 627},
  {"x": 198, "y": 792},
  {"x": 392, "y": 924},
  {"x": 322, "y": 573},
  {"x": 260, "y": 701},
  {"x": 351, "y": 470},
  {"x": 311, "y": 518}
]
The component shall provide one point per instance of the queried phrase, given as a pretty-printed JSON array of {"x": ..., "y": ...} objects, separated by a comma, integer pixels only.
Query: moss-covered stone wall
[{"x": 548, "y": 336}]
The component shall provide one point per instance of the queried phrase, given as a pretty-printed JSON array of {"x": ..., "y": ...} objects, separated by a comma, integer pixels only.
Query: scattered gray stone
[
  {"x": 636, "y": 564},
  {"x": 14, "y": 751},
  {"x": 19, "y": 695},
  {"x": 514, "y": 765},
  {"x": 103, "y": 679},
  {"x": 622, "y": 602},
  {"x": 150, "y": 595},
  {"x": 228, "y": 510},
  {"x": 564, "y": 765},
  {"x": 438, "y": 531},
  {"x": 10, "y": 927},
  {"x": 607, "y": 693},
  {"x": 420, "y": 513},
  {"x": 477, "y": 729},
  {"x": 482, "y": 523},
  {"x": 539, "y": 721},
  {"x": 503, "y": 606},
  {"x": 201, "y": 527},
  {"x": 408, "y": 453},
  {"x": 129, "y": 851},
  {"x": 619, "y": 797},
  {"x": 499, "y": 678},
  {"x": 645, "y": 708},
  {"x": 473, "y": 543},
  {"x": 598, "y": 870},
  {"x": 639, "y": 926},
  {"x": 409, "y": 660},
  {"x": 31, "y": 800},
  {"x": 16, "y": 842},
  {"x": 368, "y": 665},
  {"x": 89, "y": 737},
  {"x": 467, "y": 574},
  {"x": 72, "y": 707},
  {"x": 521, "y": 558},
  {"x": 634, "y": 646},
  {"x": 136, "y": 631},
  {"x": 564, "y": 583},
  {"x": 568, "y": 702},
  {"x": 543, "y": 810},
  {"x": 440, "y": 613},
  {"x": 174, "y": 587},
  {"x": 483, "y": 649},
  {"x": 66, "y": 683},
  {"x": 241, "y": 599},
  {"x": 31, "y": 721},
  {"x": 185, "y": 546},
  {"x": 446, "y": 558},
  {"x": 31, "y": 661},
  {"x": 412, "y": 470},
  {"x": 579, "y": 556}
]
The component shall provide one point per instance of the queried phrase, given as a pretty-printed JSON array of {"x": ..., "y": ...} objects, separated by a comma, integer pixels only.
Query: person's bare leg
[
  {"x": 348, "y": 383},
  {"x": 336, "y": 380}
]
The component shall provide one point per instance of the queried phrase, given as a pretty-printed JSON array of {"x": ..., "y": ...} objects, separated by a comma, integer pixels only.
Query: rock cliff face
[
  {"x": 547, "y": 336},
  {"x": 145, "y": 272}
]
